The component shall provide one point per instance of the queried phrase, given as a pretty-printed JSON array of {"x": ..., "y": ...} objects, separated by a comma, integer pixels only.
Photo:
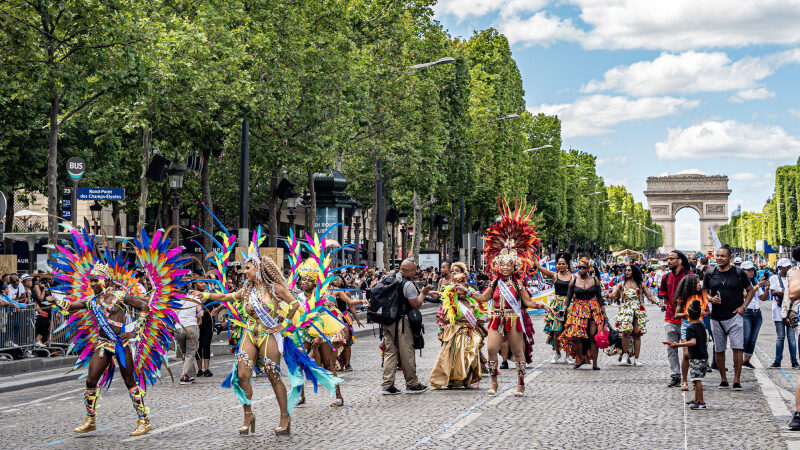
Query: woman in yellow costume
[
  {"x": 462, "y": 333},
  {"x": 263, "y": 297}
]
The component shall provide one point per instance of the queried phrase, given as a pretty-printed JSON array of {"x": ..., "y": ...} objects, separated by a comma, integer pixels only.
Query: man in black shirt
[{"x": 725, "y": 286}]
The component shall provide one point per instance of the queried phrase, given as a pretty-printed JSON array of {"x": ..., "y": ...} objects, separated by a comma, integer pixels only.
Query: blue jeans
[
  {"x": 787, "y": 332},
  {"x": 752, "y": 324}
]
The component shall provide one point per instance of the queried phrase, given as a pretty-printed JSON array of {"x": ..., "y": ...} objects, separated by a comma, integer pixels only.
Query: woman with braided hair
[
  {"x": 261, "y": 345},
  {"x": 585, "y": 314}
]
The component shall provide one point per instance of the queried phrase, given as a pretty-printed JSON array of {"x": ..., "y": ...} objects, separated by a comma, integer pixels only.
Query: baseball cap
[
  {"x": 783, "y": 262},
  {"x": 737, "y": 260},
  {"x": 24, "y": 277},
  {"x": 748, "y": 265}
]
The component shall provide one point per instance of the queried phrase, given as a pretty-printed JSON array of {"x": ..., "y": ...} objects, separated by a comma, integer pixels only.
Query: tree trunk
[
  {"x": 274, "y": 213},
  {"x": 433, "y": 234},
  {"x": 468, "y": 231},
  {"x": 418, "y": 209},
  {"x": 9, "y": 221},
  {"x": 52, "y": 169},
  {"x": 208, "y": 220},
  {"x": 451, "y": 240},
  {"x": 392, "y": 243},
  {"x": 373, "y": 219},
  {"x": 144, "y": 186}
]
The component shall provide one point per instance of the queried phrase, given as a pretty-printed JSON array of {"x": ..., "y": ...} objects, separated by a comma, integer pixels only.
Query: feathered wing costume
[
  {"x": 511, "y": 240},
  {"x": 75, "y": 263}
]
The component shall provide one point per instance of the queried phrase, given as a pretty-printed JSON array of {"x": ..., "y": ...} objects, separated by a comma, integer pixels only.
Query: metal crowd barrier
[{"x": 17, "y": 328}]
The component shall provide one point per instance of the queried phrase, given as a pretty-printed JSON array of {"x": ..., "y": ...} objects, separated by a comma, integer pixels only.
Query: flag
[{"x": 717, "y": 243}]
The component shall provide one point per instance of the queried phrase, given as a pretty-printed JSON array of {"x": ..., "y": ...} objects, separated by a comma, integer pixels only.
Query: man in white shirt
[
  {"x": 662, "y": 270},
  {"x": 186, "y": 337},
  {"x": 777, "y": 287}
]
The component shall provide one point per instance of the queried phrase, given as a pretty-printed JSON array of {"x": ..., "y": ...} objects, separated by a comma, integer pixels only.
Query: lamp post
[
  {"x": 403, "y": 218},
  {"x": 291, "y": 203},
  {"x": 96, "y": 210},
  {"x": 357, "y": 207},
  {"x": 445, "y": 228},
  {"x": 175, "y": 174}
]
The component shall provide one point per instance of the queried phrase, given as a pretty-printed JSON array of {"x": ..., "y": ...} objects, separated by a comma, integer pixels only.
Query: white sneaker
[
  {"x": 569, "y": 360},
  {"x": 637, "y": 363},
  {"x": 626, "y": 360},
  {"x": 38, "y": 344}
]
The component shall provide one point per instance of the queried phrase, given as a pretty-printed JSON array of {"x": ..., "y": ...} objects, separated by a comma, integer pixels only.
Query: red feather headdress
[{"x": 512, "y": 239}]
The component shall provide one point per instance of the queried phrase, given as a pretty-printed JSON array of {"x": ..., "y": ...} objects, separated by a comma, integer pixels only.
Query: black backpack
[
  {"x": 417, "y": 329},
  {"x": 386, "y": 301}
]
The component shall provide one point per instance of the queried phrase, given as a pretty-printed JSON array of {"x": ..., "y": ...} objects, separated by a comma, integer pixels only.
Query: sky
[{"x": 656, "y": 88}]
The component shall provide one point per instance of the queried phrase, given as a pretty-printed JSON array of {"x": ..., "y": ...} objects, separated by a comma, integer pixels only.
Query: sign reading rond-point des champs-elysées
[{"x": 108, "y": 194}]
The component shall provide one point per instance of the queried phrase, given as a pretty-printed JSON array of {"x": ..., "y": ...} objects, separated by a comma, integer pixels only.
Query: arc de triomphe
[{"x": 708, "y": 195}]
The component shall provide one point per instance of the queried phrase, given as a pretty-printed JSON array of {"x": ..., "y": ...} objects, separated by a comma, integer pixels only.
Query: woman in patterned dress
[
  {"x": 585, "y": 314},
  {"x": 554, "y": 321},
  {"x": 631, "y": 317}
]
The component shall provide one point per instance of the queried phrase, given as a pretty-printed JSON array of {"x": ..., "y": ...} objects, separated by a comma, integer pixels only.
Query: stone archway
[{"x": 708, "y": 195}]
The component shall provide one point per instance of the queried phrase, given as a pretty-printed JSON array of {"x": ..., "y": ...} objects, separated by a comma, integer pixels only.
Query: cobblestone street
[{"x": 617, "y": 407}]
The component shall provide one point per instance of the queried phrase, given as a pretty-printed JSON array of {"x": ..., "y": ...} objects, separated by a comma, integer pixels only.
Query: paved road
[{"x": 617, "y": 407}]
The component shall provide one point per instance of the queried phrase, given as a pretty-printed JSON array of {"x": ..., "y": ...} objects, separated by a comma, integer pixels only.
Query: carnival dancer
[
  {"x": 510, "y": 250},
  {"x": 461, "y": 320},
  {"x": 346, "y": 306},
  {"x": 585, "y": 314},
  {"x": 266, "y": 339},
  {"x": 98, "y": 293},
  {"x": 632, "y": 318},
  {"x": 327, "y": 333},
  {"x": 554, "y": 321}
]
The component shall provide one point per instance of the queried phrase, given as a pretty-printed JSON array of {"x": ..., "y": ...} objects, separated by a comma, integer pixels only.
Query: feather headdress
[{"x": 512, "y": 239}]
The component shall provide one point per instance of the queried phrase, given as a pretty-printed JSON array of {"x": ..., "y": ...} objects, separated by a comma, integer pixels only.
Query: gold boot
[
  {"x": 142, "y": 427},
  {"x": 87, "y": 426}
]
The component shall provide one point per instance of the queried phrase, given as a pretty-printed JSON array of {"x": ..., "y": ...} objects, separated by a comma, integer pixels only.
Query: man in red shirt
[{"x": 678, "y": 264}]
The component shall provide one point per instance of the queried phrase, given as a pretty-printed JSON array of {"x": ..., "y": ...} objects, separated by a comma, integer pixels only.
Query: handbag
[{"x": 601, "y": 338}]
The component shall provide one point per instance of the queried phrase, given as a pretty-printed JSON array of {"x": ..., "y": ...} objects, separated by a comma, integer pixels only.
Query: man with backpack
[
  {"x": 393, "y": 300},
  {"x": 678, "y": 265},
  {"x": 725, "y": 286}
]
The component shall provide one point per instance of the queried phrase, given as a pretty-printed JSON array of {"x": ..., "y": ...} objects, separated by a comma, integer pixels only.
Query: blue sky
[{"x": 651, "y": 88}]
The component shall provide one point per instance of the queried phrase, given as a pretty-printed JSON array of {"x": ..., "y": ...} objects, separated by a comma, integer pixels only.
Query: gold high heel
[
  {"x": 87, "y": 426},
  {"x": 493, "y": 387},
  {"x": 284, "y": 431},
  {"x": 249, "y": 427},
  {"x": 142, "y": 427},
  {"x": 520, "y": 390}
]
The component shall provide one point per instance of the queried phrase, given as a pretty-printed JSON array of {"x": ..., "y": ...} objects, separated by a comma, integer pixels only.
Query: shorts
[
  {"x": 732, "y": 328},
  {"x": 697, "y": 369},
  {"x": 684, "y": 325}
]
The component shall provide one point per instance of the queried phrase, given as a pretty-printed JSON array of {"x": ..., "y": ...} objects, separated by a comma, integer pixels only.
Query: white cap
[
  {"x": 737, "y": 260},
  {"x": 25, "y": 276},
  {"x": 748, "y": 265},
  {"x": 662, "y": 263},
  {"x": 784, "y": 262}
]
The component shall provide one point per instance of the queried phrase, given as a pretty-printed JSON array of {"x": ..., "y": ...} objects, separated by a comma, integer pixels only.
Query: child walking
[{"x": 698, "y": 353}]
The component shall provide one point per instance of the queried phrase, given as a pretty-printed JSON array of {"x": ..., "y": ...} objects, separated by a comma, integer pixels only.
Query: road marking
[
  {"x": 770, "y": 390},
  {"x": 499, "y": 398},
  {"x": 685, "y": 423},
  {"x": 461, "y": 424},
  {"x": 39, "y": 400},
  {"x": 164, "y": 430}
]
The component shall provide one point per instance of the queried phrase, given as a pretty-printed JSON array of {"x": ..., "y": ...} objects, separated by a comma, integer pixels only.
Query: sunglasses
[{"x": 583, "y": 267}]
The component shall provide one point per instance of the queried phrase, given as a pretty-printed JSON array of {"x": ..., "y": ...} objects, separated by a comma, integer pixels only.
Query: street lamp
[
  {"x": 291, "y": 202},
  {"x": 445, "y": 228},
  {"x": 581, "y": 179},
  {"x": 96, "y": 210},
  {"x": 537, "y": 148},
  {"x": 506, "y": 117},
  {"x": 594, "y": 193},
  {"x": 403, "y": 218},
  {"x": 444, "y": 60},
  {"x": 568, "y": 166},
  {"x": 175, "y": 174},
  {"x": 357, "y": 224}
]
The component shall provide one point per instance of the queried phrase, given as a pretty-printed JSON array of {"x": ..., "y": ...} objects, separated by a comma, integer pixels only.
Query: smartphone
[{"x": 666, "y": 343}]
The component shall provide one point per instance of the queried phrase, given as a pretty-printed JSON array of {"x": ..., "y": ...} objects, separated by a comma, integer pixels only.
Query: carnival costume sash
[
  {"x": 261, "y": 311},
  {"x": 467, "y": 313},
  {"x": 512, "y": 301},
  {"x": 102, "y": 320}
]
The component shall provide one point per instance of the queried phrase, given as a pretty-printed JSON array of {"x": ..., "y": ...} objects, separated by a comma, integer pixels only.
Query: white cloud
[
  {"x": 731, "y": 139},
  {"x": 463, "y": 9},
  {"x": 752, "y": 94},
  {"x": 616, "y": 181},
  {"x": 643, "y": 24},
  {"x": 595, "y": 114},
  {"x": 621, "y": 161},
  {"x": 691, "y": 72},
  {"x": 541, "y": 28},
  {"x": 685, "y": 172},
  {"x": 770, "y": 164},
  {"x": 794, "y": 112},
  {"x": 741, "y": 176}
]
